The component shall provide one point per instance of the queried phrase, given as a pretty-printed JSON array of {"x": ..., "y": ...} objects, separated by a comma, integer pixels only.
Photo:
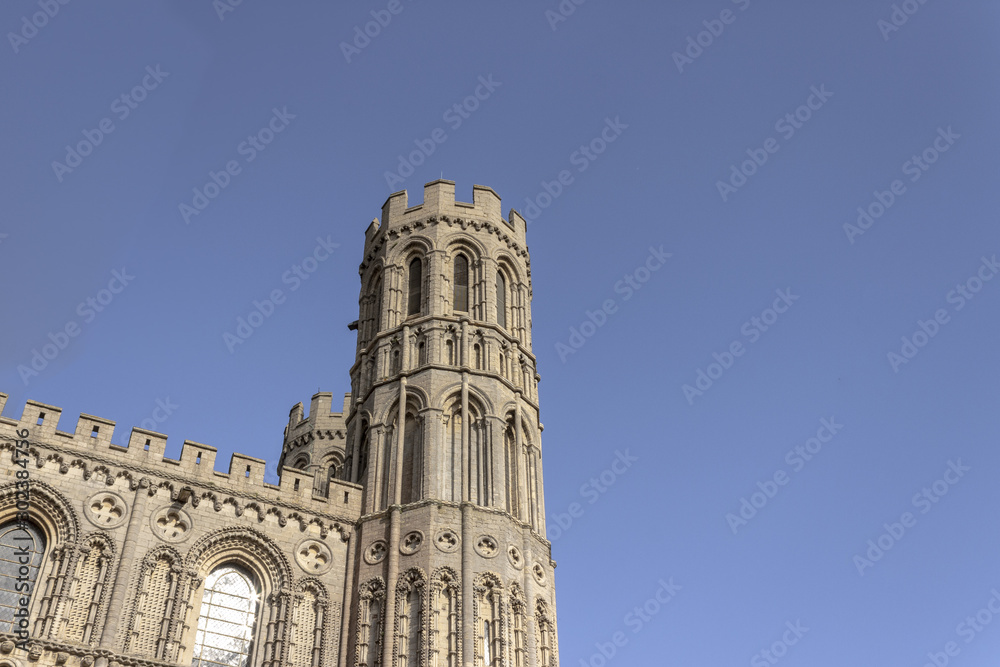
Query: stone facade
[{"x": 407, "y": 529}]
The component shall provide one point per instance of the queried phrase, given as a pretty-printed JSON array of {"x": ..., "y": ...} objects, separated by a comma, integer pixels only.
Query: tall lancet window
[
  {"x": 416, "y": 282},
  {"x": 17, "y": 544},
  {"x": 461, "y": 296},
  {"x": 501, "y": 300},
  {"x": 226, "y": 623}
]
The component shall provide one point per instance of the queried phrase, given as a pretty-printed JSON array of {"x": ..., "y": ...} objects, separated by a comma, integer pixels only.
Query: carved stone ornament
[
  {"x": 106, "y": 510},
  {"x": 376, "y": 552},
  {"x": 171, "y": 524},
  {"x": 313, "y": 556},
  {"x": 411, "y": 542},
  {"x": 447, "y": 540},
  {"x": 515, "y": 557},
  {"x": 486, "y": 546},
  {"x": 539, "y": 573}
]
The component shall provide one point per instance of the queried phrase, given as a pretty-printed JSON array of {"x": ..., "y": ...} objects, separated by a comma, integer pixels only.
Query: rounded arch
[
  {"x": 246, "y": 546},
  {"x": 301, "y": 461},
  {"x": 453, "y": 392},
  {"x": 506, "y": 263},
  {"x": 467, "y": 243},
  {"x": 49, "y": 509},
  {"x": 414, "y": 246},
  {"x": 416, "y": 399},
  {"x": 314, "y": 586}
]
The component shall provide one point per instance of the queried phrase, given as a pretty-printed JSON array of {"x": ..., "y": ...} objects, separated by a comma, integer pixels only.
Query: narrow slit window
[
  {"x": 146, "y": 446},
  {"x": 461, "y": 296},
  {"x": 501, "y": 300},
  {"x": 93, "y": 433},
  {"x": 248, "y": 472},
  {"x": 41, "y": 419},
  {"x": 416, "y": 282}
]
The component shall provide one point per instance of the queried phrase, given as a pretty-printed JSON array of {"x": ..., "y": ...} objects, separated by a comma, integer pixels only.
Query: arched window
[
  {"x": 17, "y": 542},
  {"x": 227, "y": 620},
  {"x": 416, "y": 282},
  {"x": 461, "y": 300},
  {"x": 501, "y": 300}
]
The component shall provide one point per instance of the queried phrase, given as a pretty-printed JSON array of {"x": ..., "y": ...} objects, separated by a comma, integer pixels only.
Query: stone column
[{"x": 126, "y": 564}]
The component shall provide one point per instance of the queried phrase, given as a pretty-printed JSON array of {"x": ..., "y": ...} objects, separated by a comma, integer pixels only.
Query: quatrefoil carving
[
  {"x": 486, "y": 546},
  {"x": 515, "y": 557},
  {"x": 172, "y": 524},
  {"x": 106, "y": 510},
  {"x": 446, "y": 540},
  {"x": 313, "y": 556},
  {"x": 539, "y": 573},
  {"x": 376, "y": 552},
  {"x": 412, "y": 542}
]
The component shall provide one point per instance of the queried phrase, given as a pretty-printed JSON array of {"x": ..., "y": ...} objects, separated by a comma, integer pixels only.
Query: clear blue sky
[{"x": 680, "y": 125}]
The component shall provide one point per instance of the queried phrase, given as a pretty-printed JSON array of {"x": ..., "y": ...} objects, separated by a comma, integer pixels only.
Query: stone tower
[{"x": 450, "y": 566}]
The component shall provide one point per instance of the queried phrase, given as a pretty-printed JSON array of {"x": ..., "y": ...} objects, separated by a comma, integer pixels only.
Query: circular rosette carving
[
  {"x": 171, "y": 524},
  {"x": 106, "y": 510},
  {"x": 515, "y": 557},
  {"x": 376, "y": 551},
  {"x": 447, "y": 540},
  {"x": 411, "y": 542},
  {"x": 487, "y": 546},
  {"x": 538, "y": 572},
  {"x": 313, "y": 556}
]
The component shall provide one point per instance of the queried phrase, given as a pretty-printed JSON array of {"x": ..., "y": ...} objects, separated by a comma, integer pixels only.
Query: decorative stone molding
[
  {"x": 106, "y": 510},
  {"x": 171, "y": 524},
  {"x": 411, "y": 542},
  {"x": 487, "y": 546},
  {"x": 313, "y": 557},
  {"x": 376, "y": 552},
  {"x": 447, "y": 540},
  {"x": 515, "y": 557},
  {"x": 538, "y": 572}
]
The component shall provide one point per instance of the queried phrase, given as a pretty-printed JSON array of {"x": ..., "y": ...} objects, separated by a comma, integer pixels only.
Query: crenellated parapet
[
  {"x": 89, "y": 450},
  {"x": 483, "y": 215},
  {"x": 317, "y": 442}
]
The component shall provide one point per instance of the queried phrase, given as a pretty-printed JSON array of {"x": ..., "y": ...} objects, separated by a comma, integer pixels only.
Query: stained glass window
[
  {"x": 21, "y": 549},
  {"x": 226, "y": 625}
]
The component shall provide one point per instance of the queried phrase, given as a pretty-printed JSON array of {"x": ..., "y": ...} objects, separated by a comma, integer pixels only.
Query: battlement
[
  {"x": 439, "y": 201},
  {"x": 92, "y": 435},
  {"x": 322, "y": 426}
]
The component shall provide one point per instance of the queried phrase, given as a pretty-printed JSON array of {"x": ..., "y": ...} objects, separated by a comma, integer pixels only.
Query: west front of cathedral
[{"x": 407, "y": 529}]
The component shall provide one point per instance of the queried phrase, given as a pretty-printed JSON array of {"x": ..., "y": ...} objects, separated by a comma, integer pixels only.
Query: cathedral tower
[{"x": 451, "y": 566}]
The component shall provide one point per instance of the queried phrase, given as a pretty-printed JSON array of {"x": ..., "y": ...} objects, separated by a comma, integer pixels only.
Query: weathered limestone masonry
[{"x": 407, "y": 530}]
